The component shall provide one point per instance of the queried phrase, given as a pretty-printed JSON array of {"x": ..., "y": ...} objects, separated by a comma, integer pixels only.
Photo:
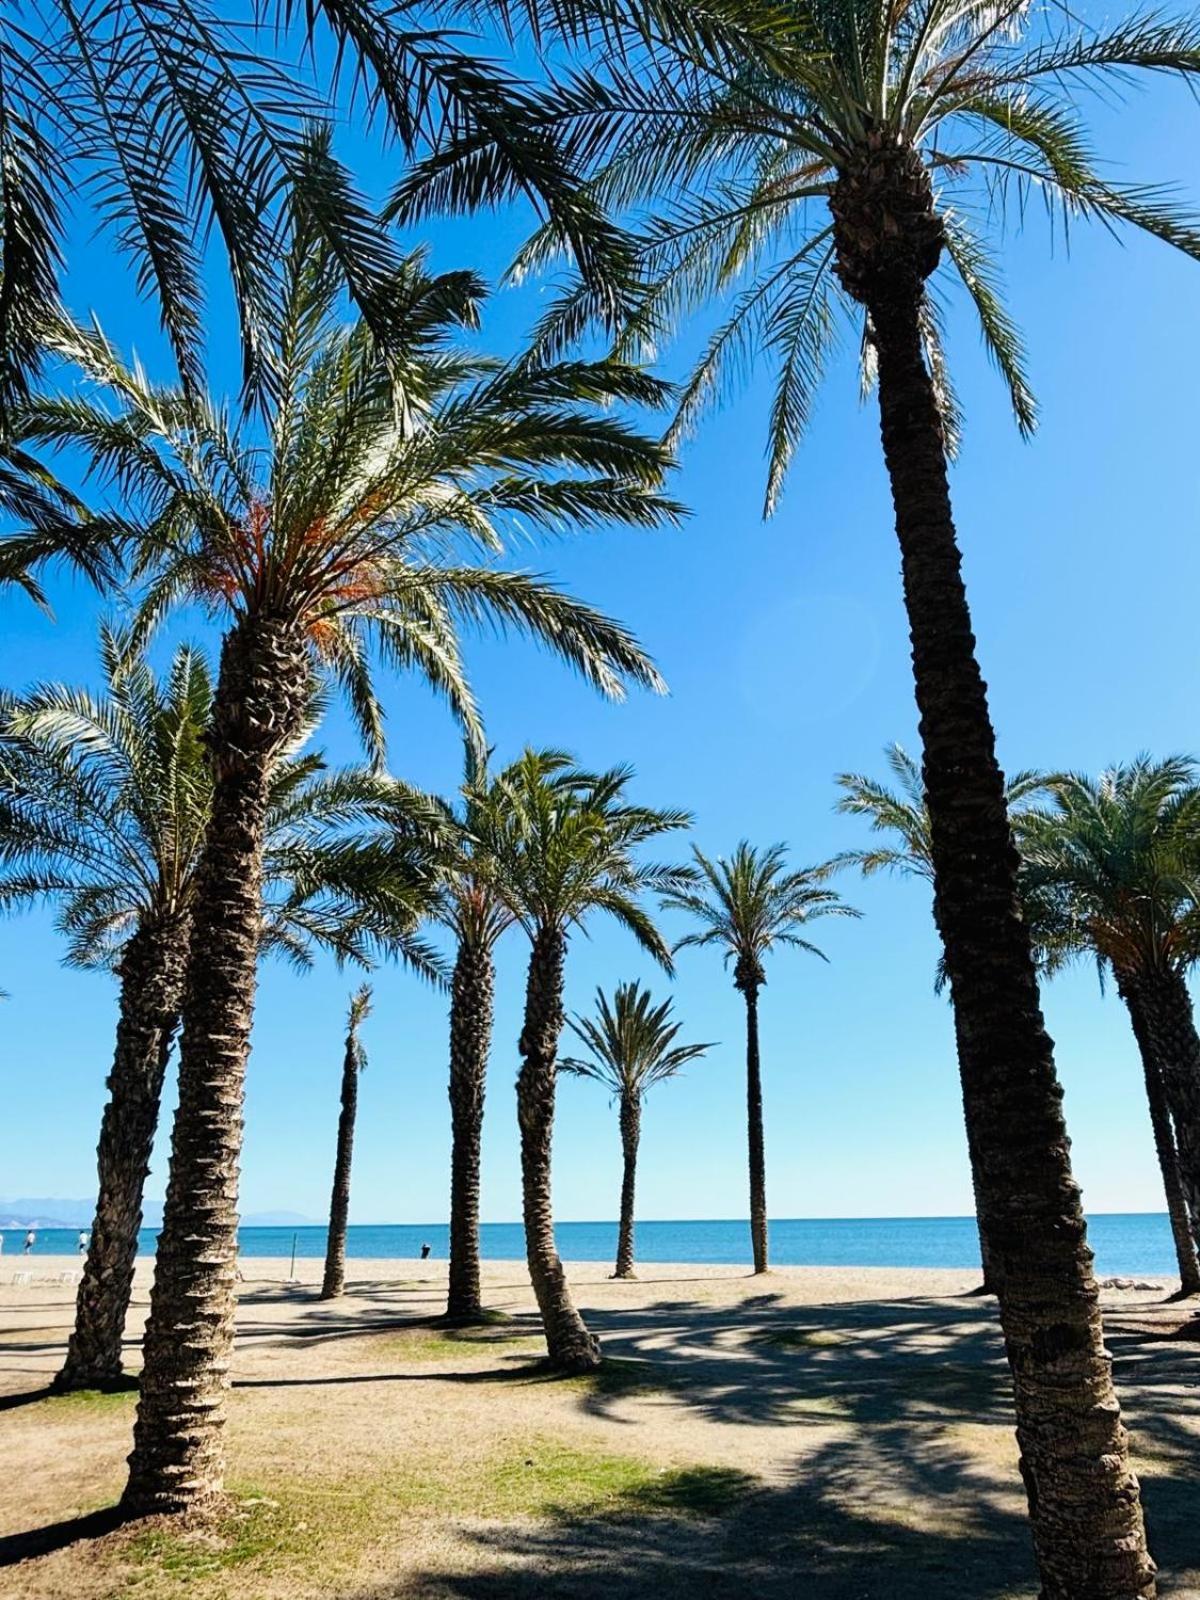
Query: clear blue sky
[{"x": 786, "y": 653}]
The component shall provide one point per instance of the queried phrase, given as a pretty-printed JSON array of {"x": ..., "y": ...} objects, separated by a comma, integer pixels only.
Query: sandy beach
[{"x": 833, "y": 1433}]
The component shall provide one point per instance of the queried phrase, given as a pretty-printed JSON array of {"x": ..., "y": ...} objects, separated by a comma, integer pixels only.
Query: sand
[{"x": 824, "y": 1433}]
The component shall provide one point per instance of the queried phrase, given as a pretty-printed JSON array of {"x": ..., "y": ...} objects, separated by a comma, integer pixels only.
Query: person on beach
[
  {"x": 30, "y": 1241},
  {"x": 425, "y": 1252},
  {"x": 83, "y": 1241}
]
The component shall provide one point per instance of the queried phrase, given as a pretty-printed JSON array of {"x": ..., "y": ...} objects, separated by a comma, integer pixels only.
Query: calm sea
[{"x": 1125, "y": 1244}]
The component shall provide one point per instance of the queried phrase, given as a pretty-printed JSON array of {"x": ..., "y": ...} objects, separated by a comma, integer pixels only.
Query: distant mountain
[{"x": 58, "y": 1213}]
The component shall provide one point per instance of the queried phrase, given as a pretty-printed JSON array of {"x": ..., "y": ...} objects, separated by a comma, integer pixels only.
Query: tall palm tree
[
  {"x": 349, "y": 521},
  {"x": 817, "y": 163},
  {"x": 353, "y": 1062},
  {"x": 103, "y": 807},
  {"x": 746, "y": 906},
  {"x": 902, "y": 814},
  {"x": 631, "y": 1047},
  {"x": 471, "y": 908},
  {"x": 560, "y": 847},
  {"x": 1112, "y": 870}
]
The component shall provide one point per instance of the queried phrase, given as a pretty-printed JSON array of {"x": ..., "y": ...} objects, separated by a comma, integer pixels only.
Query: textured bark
[
  {"x": 571, "y": 1347},
  {"x": 631, "y": 1132},
  {"x": 334, "y": 1280},
  {"x": 151, "y": 973},
  {"x": 177, "y": 1461},
  {"x": 1161, "y": 1009},
  {"x": 1084, "y": 1501},
  {"x": 472, "y": 1000},
  {"x": 991, "y": 1272},
  {"x": 749, "y": 985}
]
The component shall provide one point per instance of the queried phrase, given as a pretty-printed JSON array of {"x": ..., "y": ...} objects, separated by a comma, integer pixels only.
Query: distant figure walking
[
  {"x": 84, "y": 1236},
  {"x": 30, "y": 1241},
  {"x": 425, "y": 1252}
]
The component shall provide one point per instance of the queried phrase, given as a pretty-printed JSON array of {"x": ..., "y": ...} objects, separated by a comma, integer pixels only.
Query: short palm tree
[
  {"x": 356, "y": 519},
  {"x": 103, "y": 808},
  {"x": 747, "y": 906},
  {"x": 1112, "y": 870},
  {"x": 471, "y": 908},
  {"x": 902, "y": 814},
  {"x": 353, "y": 1062},
  {"x": 560, "y": 846},
  {"x": 631, "y": 1047},
  {"x": 795, "y": 169}
]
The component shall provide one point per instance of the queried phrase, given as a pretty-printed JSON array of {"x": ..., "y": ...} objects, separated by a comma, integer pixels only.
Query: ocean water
[{"x": 1127, "y": 1244}]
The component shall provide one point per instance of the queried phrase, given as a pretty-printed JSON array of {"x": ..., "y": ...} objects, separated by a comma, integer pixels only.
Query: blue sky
[{"x": 785, "y": 648}]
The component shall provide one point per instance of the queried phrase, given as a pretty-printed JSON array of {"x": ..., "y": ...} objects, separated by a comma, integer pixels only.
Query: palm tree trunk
[
  {"x": 1162, "y": 1010},
  {"x": 570, "y": 1346},
  {"x": 472, "y": 1001},
  {"x": 151, "y": 973},
  {"x": 1164, "y": 1141},
  {"x": 177, "y": 1461},
  {"x": 334, "y": 1280},
  {"x": 991, "y": 1275},
  {"x": 754, "y": 1126},
  {"x": 1084, "y": 1500},
  {"x": 631, "y": 1132}
]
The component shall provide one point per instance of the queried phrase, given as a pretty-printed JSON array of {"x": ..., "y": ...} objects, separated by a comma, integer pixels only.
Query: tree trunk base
[
  {"x": 331, "y": 1294},
  {"x": 984, "y": 1291},
  {"x": 1184, "y": 1292},
  {"x": 186, "y": 1505},
  {"x": 628, "y": 1275},
  {"x": 72, "y": 1379},
  {"x": 467, "y": 1317},
  {"x": 577, "y": 1359}
]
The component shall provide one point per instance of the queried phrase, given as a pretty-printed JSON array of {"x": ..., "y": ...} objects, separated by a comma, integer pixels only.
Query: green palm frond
[
  {"x": 631, "y": 1043},
  {"x": 376, "y": 509},
  {"x": 750, "y": 902},
  {"x": 557, "y": 844},
  {"x": 717, "y": 135}
]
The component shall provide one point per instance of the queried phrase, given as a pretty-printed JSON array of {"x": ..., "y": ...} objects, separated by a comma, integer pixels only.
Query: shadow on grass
[
  {"x": 15, "y": 1547},
  {"x": 862, "y": 1520}
]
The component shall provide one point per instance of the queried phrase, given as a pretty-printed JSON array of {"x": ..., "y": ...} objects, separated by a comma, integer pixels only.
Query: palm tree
[
  {"x": 746, "y": 906},
  {"x": 800, "y": 167},
  {"x": 559, "y": 846},
  {"x": 903, "y": 814},
  {"x": 631, "y": 1045},
  {"x": 348, "y": 522},
  {"x": 103, "y": 807},
  {"x": 1112, "y": 871},
  {"x": 353, "y": 1062},
  {"x": 470, "y": 907}
]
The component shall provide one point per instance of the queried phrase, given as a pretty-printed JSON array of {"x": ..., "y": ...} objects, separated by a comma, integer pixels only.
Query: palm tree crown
[
  {"x": 104, "y": 805},
  {"x": 750, "y": 903},
  {"x": 904, "y": 814},
  {"x": 354, "y": 521},
  {"x": 1113, "y": 867},
  {"x": 771, "y": 148},
  {"x": 631, "y": 1042},
  {"x": 560, "y": 843}
]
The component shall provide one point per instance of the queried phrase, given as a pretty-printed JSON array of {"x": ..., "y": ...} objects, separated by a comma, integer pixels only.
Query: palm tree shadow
[{"x": 17, "y": 1547}]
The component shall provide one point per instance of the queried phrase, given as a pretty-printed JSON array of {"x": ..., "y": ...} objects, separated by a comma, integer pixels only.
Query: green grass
[
  {"x": 431, "y": 1342},
  {"x": 798, "y": 1338},
  {"x": 621, "y": 1375},
  {"x": 324, "y": 1526},
  {"x": 87, "y": 1402}
]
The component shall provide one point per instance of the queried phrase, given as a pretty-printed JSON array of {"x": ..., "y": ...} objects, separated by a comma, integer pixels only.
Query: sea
[{"x": 1125, "y": 1244}]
